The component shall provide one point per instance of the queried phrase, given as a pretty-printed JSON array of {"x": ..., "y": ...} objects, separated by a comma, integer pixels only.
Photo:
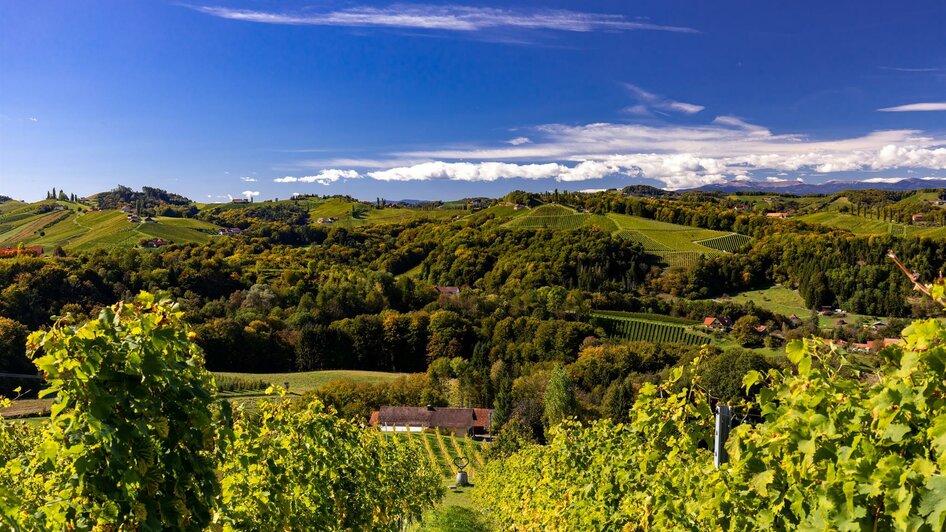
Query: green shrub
[{"x": 722, "y": 374}]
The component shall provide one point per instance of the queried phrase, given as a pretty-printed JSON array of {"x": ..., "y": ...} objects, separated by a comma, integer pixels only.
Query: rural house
[
  {"x": 776, "y": 215},
  {"x": 451, "y": 291},
  {"x": 711, "y": 322},
  {"x": 460, "y": 421}
]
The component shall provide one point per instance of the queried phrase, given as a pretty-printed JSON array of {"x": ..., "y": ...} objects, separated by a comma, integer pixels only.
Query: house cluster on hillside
[
  {"x": 155, "y": 243},
  {"x": 327, "y": 220},
  {"x": 229, "y": 231},
  {"x": 472, "y": 422}
]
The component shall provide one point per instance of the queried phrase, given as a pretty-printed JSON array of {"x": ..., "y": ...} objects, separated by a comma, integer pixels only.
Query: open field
[
  {"x": 786, "y": 301},
  {"x": 301, "y": 382},
  {"x": 777, "y": 298}
]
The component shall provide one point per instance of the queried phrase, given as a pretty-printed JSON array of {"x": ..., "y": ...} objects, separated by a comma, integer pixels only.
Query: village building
[
  {"x": 460, "y": 421},
  {"x": 451, "y": 291},
  {"x": 712, "y": 322},
  {"x": 776, "y": 215},
  {"x": 794, "y": 319},
  {"x": 239, "y": 200},
  {"x": 155, "y": 243},
  {"x": 229, "y": 231}
]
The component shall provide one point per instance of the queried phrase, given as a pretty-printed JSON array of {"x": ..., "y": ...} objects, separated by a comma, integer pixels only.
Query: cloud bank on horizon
[{"x": 679, "y": 156}]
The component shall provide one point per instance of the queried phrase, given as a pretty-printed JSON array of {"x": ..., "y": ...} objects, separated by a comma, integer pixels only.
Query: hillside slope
[{"x": 72, "y": 226}]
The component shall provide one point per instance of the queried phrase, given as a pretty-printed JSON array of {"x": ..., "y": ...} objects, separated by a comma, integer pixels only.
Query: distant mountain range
[{"x": 828, "y": 187}]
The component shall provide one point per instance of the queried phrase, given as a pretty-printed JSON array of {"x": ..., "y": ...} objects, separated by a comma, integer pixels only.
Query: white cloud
[
  {"x": 683, "y": 107},
  {"x": 248, "y": 179},
  {"x": 648, "y": 101},
  {"x": 445, "y": 17},
  {"x": 518, "y": 141},
  {"x": 34, "y": 119},
  {"x": 678, "y": 156},
  {"x": 493, "y": 171},
  {"x": 323, "y": 178},
  {"x": 250, "y": 193},
  {"x": 928, "y": 106},
  {"x": 921, "y": 69},
  {"x": 883, "y": 180}
]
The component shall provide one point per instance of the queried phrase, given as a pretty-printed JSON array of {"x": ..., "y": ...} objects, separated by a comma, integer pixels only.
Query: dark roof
[
  {"x": 448, "y": 290},
  {"x": 482, "y": 417},
  {"x": 434, "y": 416}
]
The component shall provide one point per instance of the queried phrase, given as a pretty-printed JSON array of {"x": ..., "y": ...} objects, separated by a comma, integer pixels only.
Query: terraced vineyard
[
  {"x": 729, "y": 243},
  {"x": 653, "y": 329},
  {"x": 860, "y": 225},
  {"x": 554, "y": 217}
]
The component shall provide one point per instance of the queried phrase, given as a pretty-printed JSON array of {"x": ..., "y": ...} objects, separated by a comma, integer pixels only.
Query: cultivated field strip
[
  {"x": 729, "y": 243},
  {"x": 440, "y": 453},
  {"x": 653, "y": 330},
  {"x": 648, "y": 243}
]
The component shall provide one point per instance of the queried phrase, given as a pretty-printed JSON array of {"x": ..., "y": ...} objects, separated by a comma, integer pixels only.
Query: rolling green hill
[
  {"x": 676, "y": 245},
  {"x": 559, "y": 217},
  {"x": 860, "y": 225},
  {"x": 76, "y": 228},
  {"x": 353, "y": 213}
]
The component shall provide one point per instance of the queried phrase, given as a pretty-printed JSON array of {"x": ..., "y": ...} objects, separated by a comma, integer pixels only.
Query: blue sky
[{"x": 444, "y": 100}]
